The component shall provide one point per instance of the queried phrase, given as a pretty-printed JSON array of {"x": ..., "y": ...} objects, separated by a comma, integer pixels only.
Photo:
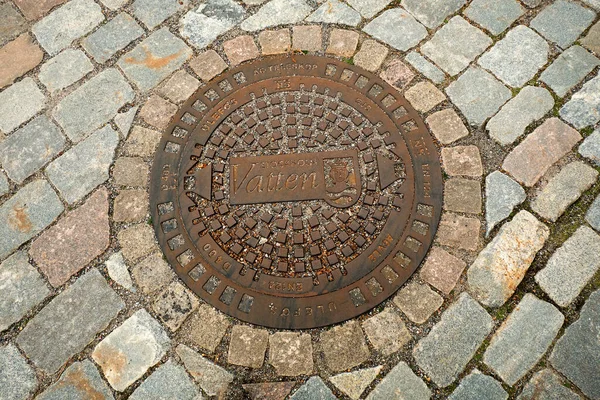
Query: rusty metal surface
[{"x": 296, "y": 191}]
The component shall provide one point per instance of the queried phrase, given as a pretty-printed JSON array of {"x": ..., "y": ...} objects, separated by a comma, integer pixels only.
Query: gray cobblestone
[
  {"x": 494, "y": 15},
  {"x": 562, "y": 22},
  {"x": 476, "y": 386},
  {"x": 4, "y": 187},
  {"x": 213, "y": 379},
  {"x": 569, "y": 69},
  {"x": 112, "y": 37},
  {"x": 369, "y": 8},
  {"x": 64, "y": 70},
  {"x": 502, "y": 195},
  {"x": 397, "y": 28},
  {"x": 590, "y": 148},
  {"x": 314, "y": 388},
  {"x": 425, "y": 67},
  {"x": 593, "y": 215},
  {"x": 400, "y": 379},
  {"x": 335, "y": 12},
  {"x": 18, "y": 103},
  {"x": 169, "y": 381},
  {"x": 582, "y": 109},
  {"x": 17, "y": 378},
  {"x": 432, "y": 13},
  {"x": 547, "y": 385},
  {"x": 203, "y": 25},
  {"x": 153, "y": 12},
  {"x": 277, "y": 12}
]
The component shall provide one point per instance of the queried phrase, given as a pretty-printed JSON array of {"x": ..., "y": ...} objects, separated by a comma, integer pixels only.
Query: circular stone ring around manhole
[{"x": 296, "y": 191}]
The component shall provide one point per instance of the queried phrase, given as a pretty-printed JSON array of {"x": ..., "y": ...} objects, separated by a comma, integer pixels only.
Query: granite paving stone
[
  {"x": 213, "y": 379},
  {"x": 136, "y": 242},
  {"x": 442, "y": 270},
  {"x": 207, "y": 326},
  {"x": 462, "y": 160},
  {"x": 387, "y": 27},
  {"x": 64, "y": 69},
  {"x": 275, "y": 42},
  {"x": 4, "y": 187},
  {"x": 478, "y": 95},
  {"x": 547, "y": 385},
  {"x": 571, "y": 267},
  {"x": 582, "y": 110},
  {"x": 447, "y": 126},
  {"x": 462, "y": 195},
  {"x": 13, "y": 23},
  {"x": 371, "y": 55},
  {"x": 425, "y": 67},
  {"x": 112, "y": 37},
  {"x": 114, "y": 4},
  {"x": 174, "y": 305},
  {"x": 502, "y": 264},
  {"x": 269, "y": 390},
  {"x": 593, "y": 215},
  {"x": 432, "y": 13},
  {"x": 455, "y": 45},
  {"x": 208, "y": 65},
  {"x": 124, "y": 120},
  {"x": 531, "y": 104},
  {"x": 386, "y": 331},
  {"x": 85, "y": 166},
  {"x": 17, "y": 378},
  {"x": 563, "y": 190},
  {"x": 26, "y": 214},
  {"x": 81, "y": 381},
  {"x": 595, "y": 4},
  {"x": 131, "y": 205},
  {"x": 502, "y": 195},
  {"x": 290, "y": 353},
  {"x": 93, "y": 104},
  {"x": 569, "y": 69},
  {"x": 17, "y": 58},
  {"x": 517, "y": 57},
  {"x": 27, "y": 150},
  {"x": 476, "y": 386},
  {"x": 342, "y": 42},
  {"x": 452, "y": 342},
  {"x": 240, "y": 49},
  {"x": 152, "y": 273},
  {"x": 34, "y": 9},
  {"x": 424, "y": 96},
  {"x": 70, "y": 321},
  {"x": 397, "y": 74},
  {"x": 210, "y": 20},
  {"x": 142, "y": 142},
  {"x": 591, "y": 40},
  {"x": 130, "y": 171},
  {"x": 277, "y": 12},
  {"x": 131, "y": 349},
  {"x": 22, "y": 289},
  {"x": 169, "y": 381},
  {"x": 353, "y": 384},
  {"x": 459, "y": 232},
  {"x": 158, "y": 112},
  {"x": 18, "y": 103},
  {"x": 531, "y": 3},
  {"x": 547, "y": 144},
  {"x": 307, "y": 38},
  {"x": 400, "y": 381},
  {"x": 153, "y": 12},
  {"x": 494, "y": 15},
  {"x": 247, "y": 346},
  {"x": 418, "y": 302},
  {"x": 67, "y": 24},
  {"x": 314, "y": 388},
  {"x": 118, "y": 272},
  {"x": 523, "y": 338},
  {"x": 590, "y": 148},
  {"x": 344, "y": 346},
  {"x": 369, "y": 8},
  {"x": 179, "y": 87},
  {"x": 562, "y": 22},
  {"x": 335, "y": 12}
]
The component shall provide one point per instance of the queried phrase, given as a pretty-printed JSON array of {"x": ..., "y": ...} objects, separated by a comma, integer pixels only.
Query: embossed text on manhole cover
[{"x": 296, "y": 191}]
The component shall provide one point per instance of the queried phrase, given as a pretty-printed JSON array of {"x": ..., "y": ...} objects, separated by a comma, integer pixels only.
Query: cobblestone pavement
[{"x": 506, "y": 304}]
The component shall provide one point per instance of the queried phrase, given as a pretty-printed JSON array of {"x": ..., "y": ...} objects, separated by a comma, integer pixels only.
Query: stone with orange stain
[
  {"x": 81, "y": 381},
  {"x": 18, "y": 57}
]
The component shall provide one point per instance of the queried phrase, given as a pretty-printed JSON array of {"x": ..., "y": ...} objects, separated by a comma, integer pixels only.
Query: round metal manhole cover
[{"x": 296, "y": 192}]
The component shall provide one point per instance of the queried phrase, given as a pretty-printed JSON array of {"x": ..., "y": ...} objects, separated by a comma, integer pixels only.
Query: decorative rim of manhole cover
[{"x": 296, "y": 191}]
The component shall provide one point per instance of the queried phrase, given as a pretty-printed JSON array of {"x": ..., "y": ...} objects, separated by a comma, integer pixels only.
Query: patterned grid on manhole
[{"x": 296, "y": 191}]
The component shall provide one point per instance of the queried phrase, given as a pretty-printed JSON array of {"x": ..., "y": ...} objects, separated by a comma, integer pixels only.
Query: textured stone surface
[
  {"x": 248, "y": 346},
  {"x": 158, "y": 112},
  {"x": 424, "y": 96},
  {"x": 64, "y": 69},
  {"x": 26, "y": 214},
  {"x": 368, "y": 8},
  {"x": 386, "y": 331},
  {"x": 353, "y": 384},
  {"x": 18, "y": 103},
  {"x": 118, "y": 272},
  {"x": 335, "y": 12},
  {"x": 169, "y": 381},
  {"x": 462, "y": 160},
  {"x": 547, "y": 385},
  {"x": 179, "y": 87},
  {"x": 593, "y": 215},
  {"x": 523, "y": 338},
  {"x": 590, "y": 148},
  {"x": 131, "y": 205},
  {"x": 13, "y": 23},
  {"x": 502, "y": 195},
  {"x": 34, "y": 9},
  {"x": 153, "y": 12},
  {"x": 275, "y": 42},
  {"x": 240, "y": 49},
  {"x": 397, "y": 74},
  {"x": 531, "y": 104},
  {"x": 113, "y": 4},
  {"x": 562, "y": 22},
  {"x": 124, "y": 120},
  {"x": 17, "y": 378},
  {"x": 85, "y": 166},
  {"x": 494, "y": 15},
  {"x": 425, "y": 67},
  {"x": 592, "y": 40},
  {"x": 530, "y": 160},
  {"x": 130, "y": 171},
  {"x": 447, "y": 126},
  {"x": 307, "y": 38},
  {"x": 432, "y": 12},
  {"x": 3, "y": 184},
  {"x": 442, "y": 270},
  {"x": 500, "y": 267},
  {"x": 569, "y": 69},
  {"x": 397, "y": 28},
  {"x": 582, "y": 109},
  {"x": 452, "y": 342},
  {"x": 211, "y": 19},
  {"x": 174, "y": 305},
  {"x": 81, "y": 381},
  {"x": 400, "y": 381},
  {"x": 290, "y": 353},
  {"x": 277, "y": 12},
  {"x": 314, "y": 388},
  {"x": 344, "y": 346},
  {"x": 477, "y": 386},
  {"x": 17, "y": 58},
  {"x": 269, "y": 390},
  {"x": 455, "y": 45},
  {"x": 142, "y": 142},
  {"x": 70, "y": 321},
  {"x": 22, "y": 288},
  {"x": 112, "y": 37},
  {"x": 418, "y": 302},
  {"x": 478, "y": 95},
  {"x": 342, "y": 42},
  {"x": 131, "y": 349},
  {"x": 207, "y": 327},
  {"x": 153, "y": 272},
  {"x": 208, "y": 65},
  {"x": 462, "y": 195},
  {"x": 213, "y": 379},
  {"x": 459, "y": 232},
  {"x": 136, "y": 241}
]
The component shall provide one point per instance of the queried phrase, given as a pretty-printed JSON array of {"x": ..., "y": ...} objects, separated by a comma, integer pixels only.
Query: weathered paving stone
[
  {"x": 131, "y": 205},
  {"x": 478, "y": 95},
  {"x": 174, "y": 305},
  {"x": 179, "y": 87},
  {"x": 158, "y": 112},
  {"x": 93, "y": 104},
  {"x": 459, "y": 232},
  {"x": 523, "y": 338},
  {"x": 582, "y": 109},
  {"x": 354, "y": 383},
  {"x": 344, "y": 346},
  {"x": 74, "y": 241},
  {"x": 169, "y": 381},
  {"x": 452, "y": 342},
  {"x": 277, "y": 12},
  {"x": 518, "y": 57},
  {"x": 130, "y": 171},
  {"x": 314, "y": 388},
  {"x": 17, "y": 58},
  {"x": 13, "y": 23},
  {"x": 462, "y": 160},
  {"x": 18, "y": 103},
  {"x": 446, "y": 126},
  {"x": 455, "y": 45},
  {"x": 494, "y": 15},
  {"x": 418, "y": 302},
  {"x": 424, "y": 96},
  {"x": 335, "y": 12},
  {"x": 152, "y": 273},
  {"x": 131, "y": 349},
  {"x": 569, "y": 69},
  {"x": 113, "y": 4},
  {"x": 369, "y": 8},
  {"x": 564, "y": 189},
  {"x": 530, "y": 160},
  {"x": 248, "y": 346},
  {"x": 269, "y": 390},
  {"x": 595, "y": 4},
  {"x": 142, "y": 142},
  {"x": 64, "y": 69},
  {"x": 30, "y": 148},
  {"x": 90, "y": 302},
  {"x": 118, "y": 272},
  {"x": 17, "y": 378},
  {"x": 462, "y": 195},
  {"x": 397, "y": 74},
  {"x": 153, "y": 12},
  {"x": 136, "y": 241},
  {"x": 400, "y": 380},
  {"x": 531, "y": 104},
  {"x": 432, "y": 12},
  {"x": 22, "y": 289},
  {"x": 387, "y": 27},
  {"x": 34, "y": 9},
  {"x": 562, "y": 22},
  {"x": 211, "y": 19},
  {"x": 442, "y": 270},
  {"x": 342, "y": 42},
  {"x": 275, "y": 42},
  {"x": 80, "y": 381},
  {"x": 290, "y": 353},
  {"x": 593, "y": 215},
  {"x": 386, "y": 331},
  {"x": 571, "y": 267},
  {"x": 85, "y": 166},
  {"x": 240, "y": 49},
  {"x": 590, "y": 148},
  {"x": 576, "y": 354},
  {"x": 112, "y": 37},
  {"x": 500, "y": 267},
  {"x": 592, "y": 40},
  {"x": 425, "y": 67},
  {"x": 207, "y": 327},
  {"x": 26, "y": 214},
  {"x": 213, "y": 379},
  {"x": 67, "y": 24},
  {"x": 531, "y": 3},
  {"x": 124, "y": 120},
  {"x": 502, "y": 195},
  {"x": 476, "y": 386},
  {"x": 208, "y": 65},
  {"x": 3, "y": 184},
  {"x": 307, "y": 38},
  {"x": 547, "y": 385}
]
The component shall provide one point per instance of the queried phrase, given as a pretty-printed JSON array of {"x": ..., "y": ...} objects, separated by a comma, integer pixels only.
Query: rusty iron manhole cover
[{"x": 296, "y": 192}]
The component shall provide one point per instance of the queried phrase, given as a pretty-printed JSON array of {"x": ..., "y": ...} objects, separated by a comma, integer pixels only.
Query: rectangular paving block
[
  {"x": 112, "y": 37},
  {"x": 153, "y": 12},
  {"x": 582, "y": 110},
  {"x": 401, "y": 379},
  {"x": 432, "y": 12},
  {"x": 70, "y": 321},
  {"x": 425, "y": 67},
  {"x": 494, "y": 15},
  {"x": 26, "y": 214},
  {"x": 397, "y": 28},
  {"x": 277, "y": 12},
  {"x": 210, "y": 20},
  {"x": 592, "y": 217},
  {"x": 81, "y": 380},
  {"x": 17, "y": 379},
  {"x": 569, "y": 69},
  {"x": 64, "y": 70},
  {"x": 18, "y": 57},
  {"x": 18, "y": 103},
  {"x": 562, "y": 22}
]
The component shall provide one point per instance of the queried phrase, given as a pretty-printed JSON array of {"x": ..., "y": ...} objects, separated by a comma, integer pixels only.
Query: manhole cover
[{"x": 296, "y": 192}]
